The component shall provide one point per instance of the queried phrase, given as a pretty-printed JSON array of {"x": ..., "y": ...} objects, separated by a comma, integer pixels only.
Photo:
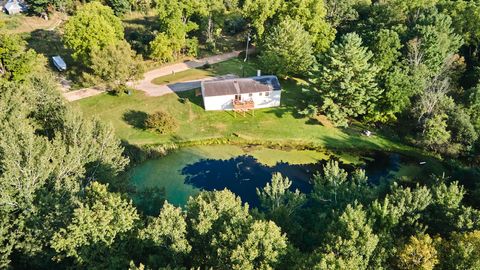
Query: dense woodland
[{"x": 411, "y": 67}]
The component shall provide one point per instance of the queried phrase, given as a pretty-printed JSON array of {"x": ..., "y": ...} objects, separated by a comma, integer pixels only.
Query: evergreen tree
[
  {"x": 347, "y": 80},
  {"x": 287, "y": 50},
  {"x": 277, "y": 196}
]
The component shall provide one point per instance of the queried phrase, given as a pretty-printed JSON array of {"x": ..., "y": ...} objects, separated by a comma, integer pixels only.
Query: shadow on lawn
[
  {"x": 135, "y": 118},
  {"x": 293, "y": 99},
  {"x": 189, "y": 96}
]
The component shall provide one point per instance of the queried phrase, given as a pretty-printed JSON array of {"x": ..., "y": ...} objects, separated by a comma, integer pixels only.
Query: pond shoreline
[
  {"x": 147, "y": 152},
  {"x": 241, "y": 168}
]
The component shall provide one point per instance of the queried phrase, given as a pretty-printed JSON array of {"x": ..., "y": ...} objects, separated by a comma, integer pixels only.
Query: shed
[
  {"x": 13, "y": 7},
  {"x": 59, "y": 63},
  {"x": 242, "y": 93}
]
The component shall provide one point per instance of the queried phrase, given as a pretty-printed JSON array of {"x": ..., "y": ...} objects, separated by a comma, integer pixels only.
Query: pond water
[{"x": 187, "y": 171}]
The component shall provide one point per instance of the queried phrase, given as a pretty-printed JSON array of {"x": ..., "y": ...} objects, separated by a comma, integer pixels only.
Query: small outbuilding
[
  {"x": 13, "y": 7},
  {"x": 59, "y": 63},
  {"x": 241, "y": 93}
]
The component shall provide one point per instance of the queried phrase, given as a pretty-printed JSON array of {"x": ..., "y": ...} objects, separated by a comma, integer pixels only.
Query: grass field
[
  {"x": 282, "y": 124},
  {"x": 21, "y": 23}
]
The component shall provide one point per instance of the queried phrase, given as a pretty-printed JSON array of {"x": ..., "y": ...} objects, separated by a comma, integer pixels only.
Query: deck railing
[{"x": 243, "y": 104}]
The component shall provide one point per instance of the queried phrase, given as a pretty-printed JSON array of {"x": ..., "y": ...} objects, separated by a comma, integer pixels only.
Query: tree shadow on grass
[
  {"x": 190, "y": 96},
  {"x": 135, "y": 118},
  {"x": 293, "y": 99}
]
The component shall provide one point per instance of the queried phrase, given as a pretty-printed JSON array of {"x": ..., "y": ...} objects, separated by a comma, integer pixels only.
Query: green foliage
[
  {"x": 474, "y": 106},
  {"x": 351, "y": 242},
  {"x": 259, "y": 11},
  {"x": 96, "y": 224},
  {"x": 167, "y": 236},
  {"x": 119, "y": 7},
  {"x": 465, "y": 15},
  {"x": 162, "y": 48},
  {"x": 400, "y": 211},
  {"x": 162, "y": 122},
  {"x": 262, "y": 248},
  {"x": 386, "y": 49},
  {"x": 400, "y": 85},
  {"x": 347, "y": 80},
  {"x": 334, "y": 189},
  {"x": 16, "y": 62},
  {"x": 93, "y": 27},
  {"x": 461, "y": 251},
  {"x": 436, "y": 134},
  {"x": 287, "y": 50},
  {"x": 461, "y": 128},
  {"x": 342, "y": 11},
  {"x": 418, "y": 253},
  {"x": 438, "y": 41},
  {"x": 115, "y": 65},
  {"x": 40, "y": 7},
  {"x": 311, "y": 15},
  {"x": 224, "y": 235},
  {"x": 175, "y": 25},
  {"x": 276, "y": 196}
]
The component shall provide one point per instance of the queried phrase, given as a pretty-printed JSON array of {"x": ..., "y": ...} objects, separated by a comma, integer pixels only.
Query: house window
[
  {"x": 250, "y": 95},
  {"x": 260, "y": 94},
  {"x": 238, "y": 97},
  {"x": 267, "y": 94}
]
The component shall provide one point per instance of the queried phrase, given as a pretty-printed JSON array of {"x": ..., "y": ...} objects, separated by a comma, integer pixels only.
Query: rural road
[{"x": 151, "y": 89}]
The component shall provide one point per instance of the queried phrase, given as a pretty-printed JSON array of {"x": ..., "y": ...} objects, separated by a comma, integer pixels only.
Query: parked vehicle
[{"x": 59, "y": 63}]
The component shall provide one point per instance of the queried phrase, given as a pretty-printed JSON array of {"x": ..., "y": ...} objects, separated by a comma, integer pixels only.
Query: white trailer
[{"x": 59, "y": 63}]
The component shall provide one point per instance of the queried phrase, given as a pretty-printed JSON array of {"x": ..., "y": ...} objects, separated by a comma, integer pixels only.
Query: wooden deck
[{"x": 241, "y": 105}]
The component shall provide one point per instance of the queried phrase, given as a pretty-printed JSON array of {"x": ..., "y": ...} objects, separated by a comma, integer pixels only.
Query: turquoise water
[{"x": 187, "y": 171}]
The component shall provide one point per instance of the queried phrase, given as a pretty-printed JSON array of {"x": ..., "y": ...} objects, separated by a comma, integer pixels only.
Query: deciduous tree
[
  {"x": 418, "y": 253},
  {"x": 93, "y": 27},
  {"x": 100, "y": 220},
  {"x": 115, "y": 64}
]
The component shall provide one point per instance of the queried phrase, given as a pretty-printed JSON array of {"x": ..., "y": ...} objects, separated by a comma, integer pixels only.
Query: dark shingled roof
[{"x": 240, "y": 86}]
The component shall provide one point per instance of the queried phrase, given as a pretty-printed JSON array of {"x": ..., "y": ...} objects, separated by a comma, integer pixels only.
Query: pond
[{"x": 187, "y": 171}]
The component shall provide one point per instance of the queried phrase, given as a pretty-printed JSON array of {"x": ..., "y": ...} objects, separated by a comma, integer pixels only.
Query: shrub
[
  {"x": 161, "y": 122},
  {"x": 207, "y": 65}
]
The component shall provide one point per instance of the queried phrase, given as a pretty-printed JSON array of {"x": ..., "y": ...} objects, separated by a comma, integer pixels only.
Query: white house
[
  {"x": 13, "y": 7},
  {"x": 241, "y": 93}
]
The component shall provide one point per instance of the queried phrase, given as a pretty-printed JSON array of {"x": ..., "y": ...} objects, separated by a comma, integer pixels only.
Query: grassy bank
[{"x": 280, "y": 125}]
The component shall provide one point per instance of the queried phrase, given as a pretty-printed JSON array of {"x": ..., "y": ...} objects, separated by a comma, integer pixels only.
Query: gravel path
[
  {"x": 82, "y": 93},
  {"x": 151, "y": 89}
]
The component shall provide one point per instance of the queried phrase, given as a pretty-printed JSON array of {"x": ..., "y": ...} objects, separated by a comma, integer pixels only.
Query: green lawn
[
  {"x": 280, "y": 124},
  {"x": 233, "y": 66}
]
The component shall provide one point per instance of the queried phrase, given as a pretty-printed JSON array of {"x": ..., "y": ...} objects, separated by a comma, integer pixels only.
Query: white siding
[{"x": 218, "y": 103}]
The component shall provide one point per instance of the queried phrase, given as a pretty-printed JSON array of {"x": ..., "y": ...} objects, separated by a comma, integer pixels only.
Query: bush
[
  {"x": 207, "y": 65},
  {"x": 161, "y": 122}
]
